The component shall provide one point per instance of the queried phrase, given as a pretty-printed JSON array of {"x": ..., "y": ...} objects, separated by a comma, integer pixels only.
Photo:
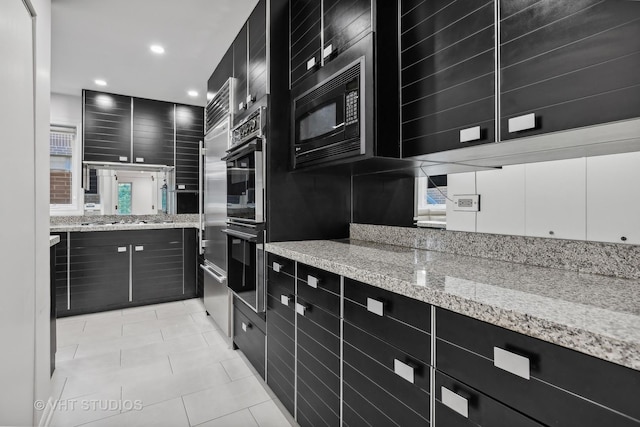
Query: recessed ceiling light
[
  {"x": 156, "y": 48},
  {"x": 100, "y": 82},
  {"x": 192, "y": 93}
]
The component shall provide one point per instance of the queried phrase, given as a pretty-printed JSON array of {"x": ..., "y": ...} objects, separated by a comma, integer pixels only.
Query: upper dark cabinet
[
  {"x": 153, "y": 132},
  {"x": 223, "y": 71},
  {"x": 189, "y": 133},
  {"x": 107, "y": 127},
  {"x": 240, "y": 71},
  {"x": 568, "y": 64},
  {"x": 447, "y": 74},
  {"x": 322, "y": 30}
]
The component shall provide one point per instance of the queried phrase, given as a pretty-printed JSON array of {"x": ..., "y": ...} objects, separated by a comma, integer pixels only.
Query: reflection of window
[
  {"x": 431, "y": 199},
  {"x": 124, "y": 198},
  {"x": 62, "y": 141}
]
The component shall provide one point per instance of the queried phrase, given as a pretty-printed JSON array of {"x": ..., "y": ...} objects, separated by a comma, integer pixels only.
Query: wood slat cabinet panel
[
  {"x": 61, "y": 253},
  {"x": 153, "y": 132},
  {"x": 240, "y": 74},
  {"x": 345, "y": 23},
  {"x": 447, "y": 74},
  {"x": 305, "y": 37},
  {"x": 222, "y": 73},
  {"x": 189, "y": 133},
  {"x": 107, "y": 127},
  {"x": 572, "y": 64},
  {"x": 257, "y": 67}
]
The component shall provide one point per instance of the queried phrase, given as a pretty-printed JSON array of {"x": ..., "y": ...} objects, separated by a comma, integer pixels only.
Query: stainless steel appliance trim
[
  {"x": 239, "y": 151},
  {"x": 259, "y": 190},
  {"x": 240, "y": 234},
  {"x": 511, "y": 362},
  {"x": 242, "y": 224},
  {"x": 211, "y": 272},
  {"x": 201, "y": 153},
  {"x": 455, "y": 402},
  {"x": 404, "y": 371}
]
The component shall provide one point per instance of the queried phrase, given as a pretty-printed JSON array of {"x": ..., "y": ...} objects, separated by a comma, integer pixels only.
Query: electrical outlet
[{"x": 466, "y": 202}]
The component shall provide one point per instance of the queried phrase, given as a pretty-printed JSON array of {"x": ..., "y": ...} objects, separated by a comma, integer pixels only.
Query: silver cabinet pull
[
  {"x": 246, "y": 326},
  {"x": 470, "y": 134},
  {"x": 284, "y": 300},
  {"x": 375, "y": 306},
  {"x": 122, "y": 249},
  {"x": 517, "y": 124},
  {"x": 181, "y": 186},
  {"x": 139, "y": 159},
  {"x": 511, "y": 362},
  {"x": 311, "y": 63},
  {"x": 455, "y": 402},
  {"x": 327, "y": 51},
  {"x": 250, "y": 99},
  {"x": 277, "y": 267},
  {"x": 300, "y": 309},
  {"x": 123, "y": 159},
  {"x": 312, "y": 281},
  {"x": 403, "y": 370},
  {"x": 242, "y": 106},
  {"x": 139, "y": 248}
]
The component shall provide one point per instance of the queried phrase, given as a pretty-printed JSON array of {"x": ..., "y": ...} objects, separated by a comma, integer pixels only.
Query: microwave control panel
[{"x": 351, "y": 108}]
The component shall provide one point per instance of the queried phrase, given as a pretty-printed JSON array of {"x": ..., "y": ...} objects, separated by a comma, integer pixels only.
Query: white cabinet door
[
  {"x": 461, "y": 183},
  {"x": 613, "y": 204},
  {"x": 555, "y": 199},
  {"x": 501, "y": 200}
]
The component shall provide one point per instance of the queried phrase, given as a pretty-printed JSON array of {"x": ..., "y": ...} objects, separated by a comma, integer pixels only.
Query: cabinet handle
[
  {"x": 122, "y": 249},
  {"x": 455, "y": 402},
  {"x": 375, "y": 306},
  {"x": 242, "y": 106},
  {"x": 284, "y": 299},
  {"x": 311, "y": 63},
  {"x": 139, "y": 159},
  {"x": 181, "y": 186},
  {"x": 300, "y": 309},
  {"x": 517, "y": 124},
  {"x": 511, "y": 362},
  {"x": 246, "y": 326},
  {"x": 327, "y": 51},
  {"x": 123, "y": 159},
  {"x": 250, "y": 99},
  {"x": 470, "y": 134},
  {"x": 139, "y": 248},
  {"x": 403, "y": 370},
  {"x": 312, "y": 281},
  {"x": 277, "y": 267}
]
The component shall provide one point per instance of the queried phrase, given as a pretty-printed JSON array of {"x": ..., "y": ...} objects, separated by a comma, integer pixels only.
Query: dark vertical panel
[
  {"x": 223, "y": 71},
  {"x": 305, "y": 26},
  {"x": 189, "y": 267},
  {"x": 240, "y": 73},
  {"x": 257, "y": 72},
  {"x": 153, "y": 132},
  {"x": 189, "y": 133},
  {"x": 345, "y": 22},
  {"x": 107, "y": 127}
]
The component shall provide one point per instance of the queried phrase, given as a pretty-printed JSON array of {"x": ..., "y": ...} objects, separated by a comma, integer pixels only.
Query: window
[
  {"x": 431, "y": 199},
  {"x": 64, "y": 169}
]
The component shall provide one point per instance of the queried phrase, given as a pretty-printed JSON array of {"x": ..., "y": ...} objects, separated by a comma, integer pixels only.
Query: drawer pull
[
  {"x": 123, "y": 159},
  {"x": 284, "y": 300},
  {"x": 510, "y": 362},
  {"x": 139, "y": 248},
  {"x": 139, "y": 159},
  {"x": 312, "y": 281},
  {"x": 246, "y": 326},
  {"x": 327, "y": 51},
  {"x": 403, "y": 370},
  {"x": 181, "y": 187},
  {"x": 517, "y": 124},
  {"x": 311, "y": 63},
  {"x": 375, "y": 306},
  {"x": 455, "y": 402},
  {"x": 122, "y": 249},
  {"x": 470, "y": 134},
  {"x": 300, "y": 309},
  {"x": 277, "y": 267}
]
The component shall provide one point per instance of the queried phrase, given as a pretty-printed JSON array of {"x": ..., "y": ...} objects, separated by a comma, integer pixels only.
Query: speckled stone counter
[
  {"x": 120, "y": 227},
  {"x": 593, "y": 314},
  {"x": 118, "y": 223},
  {"x": 54, "y": 240}
]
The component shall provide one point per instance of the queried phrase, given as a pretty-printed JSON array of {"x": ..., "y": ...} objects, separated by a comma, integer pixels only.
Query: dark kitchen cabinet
[
  {"x": 249, "y": 334},
  {"x": 107, "y": 127},
  {"x": 62, "y": 268},
  {"x": 153, "y": 132},
  {"x": 189, "y": 134},
  {"x": 222, "y": 73},
  {"x": 321, "y": 30},
  {"x": 447, "y": 75},
  {"x": 568, "y": 64},
  {"x": 240, "y": 73}
]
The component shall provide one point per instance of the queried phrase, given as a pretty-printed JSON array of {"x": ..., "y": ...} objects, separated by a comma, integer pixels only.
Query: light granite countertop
[
  {"x": 54, "y": 240},
  {"x": 122, "y": 226},
  {"x": 594, "y": 314}
]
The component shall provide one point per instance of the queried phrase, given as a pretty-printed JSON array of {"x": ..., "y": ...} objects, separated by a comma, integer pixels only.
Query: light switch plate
[{"x": 466, "y": 202}]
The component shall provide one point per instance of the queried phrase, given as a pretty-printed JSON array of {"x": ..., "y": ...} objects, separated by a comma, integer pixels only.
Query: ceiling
[{"x": 111, "y": 39}]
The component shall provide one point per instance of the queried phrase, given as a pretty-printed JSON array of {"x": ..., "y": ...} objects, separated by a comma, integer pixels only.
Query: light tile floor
[{"x": 157, "y": 365}]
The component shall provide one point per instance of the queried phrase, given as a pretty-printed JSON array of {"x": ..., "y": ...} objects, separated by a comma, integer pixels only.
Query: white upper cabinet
[{"x": 502, "y": 200}]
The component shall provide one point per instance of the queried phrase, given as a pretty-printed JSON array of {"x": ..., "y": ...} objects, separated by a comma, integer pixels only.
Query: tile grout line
[{"x": 184, "y": 406}]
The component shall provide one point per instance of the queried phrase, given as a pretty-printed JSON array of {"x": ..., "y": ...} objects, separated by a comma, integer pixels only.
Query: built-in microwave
[{"x": 328, "y": 119}]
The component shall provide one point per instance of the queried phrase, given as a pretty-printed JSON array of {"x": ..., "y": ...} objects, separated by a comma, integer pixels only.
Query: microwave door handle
[{"x": 338, "y": 125}]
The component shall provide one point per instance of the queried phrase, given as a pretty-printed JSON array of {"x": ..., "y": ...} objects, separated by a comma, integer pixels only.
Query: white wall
[{"x": 582, "y": 199}]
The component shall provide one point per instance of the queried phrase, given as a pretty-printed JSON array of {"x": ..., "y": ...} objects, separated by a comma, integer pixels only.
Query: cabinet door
[
  {"x": 61, "y": 253},
  {"x": 345, "y": 22},
  {"x": 248, "y": 336},
  {"x": 305, "y": 38},
  {"x": 569, "y": 63},
  {"x": 447, "y": 75},
  {"x": 189, "y": 133},
  {"x": 99, "y": 273},
  {"x": 190, "y": 262},
  {"x": 153, "y": 132},
  {"x": 221, "y": 74},
  {"x": 107, "y": 127},
  {"x": 157, "y": 266},
  {"x": 257, "y": 72},
  {"x": 240, "y": 73}
]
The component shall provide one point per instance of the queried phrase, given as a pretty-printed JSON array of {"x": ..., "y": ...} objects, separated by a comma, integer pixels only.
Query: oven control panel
[{"x": 250, "y": 128}]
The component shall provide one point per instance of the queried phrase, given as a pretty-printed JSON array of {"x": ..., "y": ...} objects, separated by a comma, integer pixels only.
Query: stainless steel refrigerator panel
[{"x": 217, "y": 298}]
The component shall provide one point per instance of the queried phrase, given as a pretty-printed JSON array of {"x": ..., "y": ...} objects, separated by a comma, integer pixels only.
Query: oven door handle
[
  {"x": 240, "y": 234},
  {"x": 247, "y": 148}
]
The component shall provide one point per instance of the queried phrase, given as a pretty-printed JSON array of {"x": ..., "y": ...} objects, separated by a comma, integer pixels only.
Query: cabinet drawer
[
  {"x": 282, "y": 385},
  {"x": 360, "y": 347},
  {"x": 250, "y": 340},
  {"x": 284, "y": 265},
  {"x": 410, "y": 340},
  {"x": 460, "y": 405},
  {"x": 469, "y": 351},
  {"x": 280, "y": 284},
  {"x": 326, "y": 300},
  {"x": 276, "y": 304},
  {"x": 324, "y": 347},
  {"x": 398, "y": 307},
  {"x": 320, "y": 279},
  {"x": 259, "y": 320},
  {"x": 318, "y": 315}
]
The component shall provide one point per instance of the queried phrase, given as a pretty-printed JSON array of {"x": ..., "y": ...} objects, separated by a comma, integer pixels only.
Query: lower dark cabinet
[
  {"x": 249, "y": 335},
  {"x": 157, "y": 270}
]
